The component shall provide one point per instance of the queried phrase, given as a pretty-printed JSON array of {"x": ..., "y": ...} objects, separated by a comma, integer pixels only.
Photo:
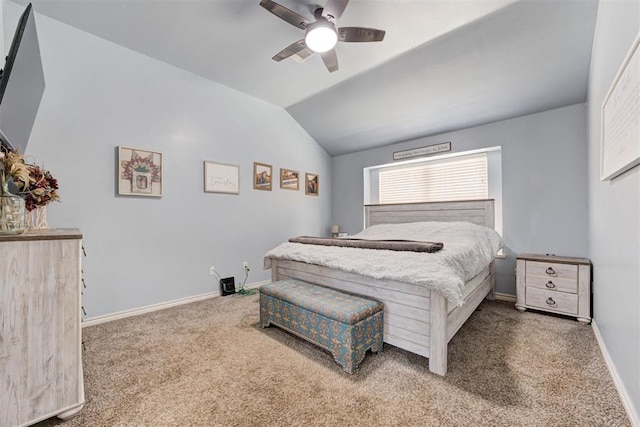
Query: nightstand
[{"x": 555, "y": 284}]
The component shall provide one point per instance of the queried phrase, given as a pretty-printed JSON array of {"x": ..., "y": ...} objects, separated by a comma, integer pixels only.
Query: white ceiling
[{"x": 444, "y": 64}]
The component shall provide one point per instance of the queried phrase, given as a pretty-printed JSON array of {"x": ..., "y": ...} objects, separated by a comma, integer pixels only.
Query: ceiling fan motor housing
[{"x": 321, "y": 36}]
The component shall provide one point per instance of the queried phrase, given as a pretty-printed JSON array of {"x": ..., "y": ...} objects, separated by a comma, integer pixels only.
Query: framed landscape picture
[
  {"x": 221, "y": 178},
  {"x": 139, "y": 172},
  {"x": 289, "y": 179},
  {"x": 262, "y": 174},
  {"x": 311, "y": 184}
]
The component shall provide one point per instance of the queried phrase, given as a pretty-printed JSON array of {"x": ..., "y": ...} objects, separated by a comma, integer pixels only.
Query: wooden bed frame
[{"x": 415, "y": 319}]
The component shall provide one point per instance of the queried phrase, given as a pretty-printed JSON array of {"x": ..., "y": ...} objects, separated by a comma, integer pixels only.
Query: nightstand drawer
[
  {"x": 552, "y": 270},
  {"x": 553, "y": 301},
  {"x": 552, "y": 284}
]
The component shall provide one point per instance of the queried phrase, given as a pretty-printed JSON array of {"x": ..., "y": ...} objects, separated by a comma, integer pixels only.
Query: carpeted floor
[{"x": 210, "y": 364}]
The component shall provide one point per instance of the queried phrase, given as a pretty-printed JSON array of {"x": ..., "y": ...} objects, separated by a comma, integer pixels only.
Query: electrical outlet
[
  {"x": 212, "y": 270},
  {"x": 245, "y": 264}
]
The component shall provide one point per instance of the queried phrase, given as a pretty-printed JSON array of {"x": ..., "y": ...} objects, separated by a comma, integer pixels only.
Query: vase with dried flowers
[
  {"x": 12, "y": 207},
  {"x": 41, "y": 189}
]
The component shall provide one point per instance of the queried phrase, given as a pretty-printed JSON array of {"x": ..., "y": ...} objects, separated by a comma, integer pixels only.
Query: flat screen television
[{"x": 21, "y": 85}]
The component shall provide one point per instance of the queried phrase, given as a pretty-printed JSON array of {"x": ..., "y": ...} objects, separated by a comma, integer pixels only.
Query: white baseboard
[
  {"x": 622, "y": 391},
  {"x": 505, "y": 297},
  {"x": 155, "y": 307}
]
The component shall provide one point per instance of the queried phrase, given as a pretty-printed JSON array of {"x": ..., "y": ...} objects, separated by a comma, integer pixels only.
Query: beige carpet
[{"x": 209, "y": 364}]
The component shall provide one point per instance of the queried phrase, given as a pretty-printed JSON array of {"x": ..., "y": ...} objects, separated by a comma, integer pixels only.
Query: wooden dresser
[
  {"x": 40, "y": 327},
  {"x": 554, "y": 283}
]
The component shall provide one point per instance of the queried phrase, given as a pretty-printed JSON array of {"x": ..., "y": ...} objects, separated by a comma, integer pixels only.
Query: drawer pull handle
[
  {"x": 550, "y": 271},
  {"x": 550, "y": 285},
  {"x": 551, "y": 302}
]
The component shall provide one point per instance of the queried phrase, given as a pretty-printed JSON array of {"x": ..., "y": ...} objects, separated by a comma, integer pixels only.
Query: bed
[{"x": 416, "y": 318}]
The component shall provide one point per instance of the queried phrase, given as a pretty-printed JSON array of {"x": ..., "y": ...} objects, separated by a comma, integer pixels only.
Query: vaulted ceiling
[{"x": 443, "y": 65}]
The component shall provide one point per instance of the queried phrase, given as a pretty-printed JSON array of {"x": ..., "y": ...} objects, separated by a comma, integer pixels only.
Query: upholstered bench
[{"x": 344, "y": 324}]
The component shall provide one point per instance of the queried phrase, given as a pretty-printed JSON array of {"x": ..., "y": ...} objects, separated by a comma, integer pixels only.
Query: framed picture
[
  {"x": 620, "y": 127},
  {"x": 139, "y": 172},
  {"x": 422, "y": 151},
  {"x": 311, "y": 184},
  {"x": 262, "y": 176},
  {"x": 221, "y": 178},
  {"x": 289, "y": 179}
]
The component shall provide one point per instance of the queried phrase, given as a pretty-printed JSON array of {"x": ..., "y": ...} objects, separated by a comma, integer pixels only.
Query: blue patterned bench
[{"x": 344, "y": 324}]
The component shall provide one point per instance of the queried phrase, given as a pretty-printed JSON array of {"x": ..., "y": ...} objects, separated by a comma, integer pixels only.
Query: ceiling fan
[{"x": 321, "y": 35}]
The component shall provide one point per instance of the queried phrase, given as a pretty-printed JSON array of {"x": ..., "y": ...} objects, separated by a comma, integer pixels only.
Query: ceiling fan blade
[
  {"x": 285, "y": 14},
  {"x": 335, "y": 8},
  {"x": 360, "y": 34},
  {"x": 292, "y": 49},
  {"x": 330, "y": 60},
  {"x": 302, "y": 56}
]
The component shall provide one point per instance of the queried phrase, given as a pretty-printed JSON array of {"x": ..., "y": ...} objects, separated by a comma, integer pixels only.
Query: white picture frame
[
  {"x": 221, "y": 178},
  {"x": 139, "y": 172},
  {"x": 422, "y": 151},
  {"x": 620, "y": 118}
]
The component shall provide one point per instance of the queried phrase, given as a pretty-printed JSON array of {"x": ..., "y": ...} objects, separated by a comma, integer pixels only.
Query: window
[
  {"x": 454, "y": 178},
  {"x": 469, "y": 175}
]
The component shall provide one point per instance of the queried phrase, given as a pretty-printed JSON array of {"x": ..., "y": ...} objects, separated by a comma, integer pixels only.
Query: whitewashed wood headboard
[{"x": 475, "y": 211}]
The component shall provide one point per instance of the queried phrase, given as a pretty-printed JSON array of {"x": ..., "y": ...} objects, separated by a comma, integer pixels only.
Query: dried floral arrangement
[
  {"x": 41, "y": 190},
  {"x": 13, "y": 167},
  {"x": 35, "y": 185}
]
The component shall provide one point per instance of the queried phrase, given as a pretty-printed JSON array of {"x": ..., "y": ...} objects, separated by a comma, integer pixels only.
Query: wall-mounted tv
[{"x": 21, "y": 85}]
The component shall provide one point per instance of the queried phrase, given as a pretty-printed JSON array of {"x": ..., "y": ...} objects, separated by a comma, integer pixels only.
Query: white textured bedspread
[{"x": 468, "y": 249}]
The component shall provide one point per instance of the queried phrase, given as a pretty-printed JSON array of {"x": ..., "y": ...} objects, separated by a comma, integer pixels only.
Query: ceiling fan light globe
[{"x": 321, "y": 38}]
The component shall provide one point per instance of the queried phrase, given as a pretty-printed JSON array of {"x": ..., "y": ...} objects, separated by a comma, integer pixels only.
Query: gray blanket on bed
[{"x": 391, "y": 245}]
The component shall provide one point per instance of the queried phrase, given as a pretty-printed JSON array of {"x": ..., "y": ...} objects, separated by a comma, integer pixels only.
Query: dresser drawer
[
  {"x": 552, "y": 300},
  {"x": 552, "y": 284},
  {"x": 552, "y": 270}
]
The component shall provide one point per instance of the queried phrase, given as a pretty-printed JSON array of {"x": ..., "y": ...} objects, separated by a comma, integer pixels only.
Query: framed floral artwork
[
  {"x": 311, "y": 183},
  {"x": 289, "y": 179},
  {"x": 262, "y": 176},
  {"x": 139, "y": 172},
  {"x": 221, "y": 178}
]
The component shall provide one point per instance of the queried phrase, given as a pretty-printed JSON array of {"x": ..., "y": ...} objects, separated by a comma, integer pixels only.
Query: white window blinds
[{"x": 456, "y": 178}]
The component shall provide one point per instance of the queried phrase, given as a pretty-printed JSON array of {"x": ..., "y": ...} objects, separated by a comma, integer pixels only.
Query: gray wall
[
  {"x": 544, "y": 182},
  {"x": 614, "y": 209},
  {"x": 143, "y": 251}
]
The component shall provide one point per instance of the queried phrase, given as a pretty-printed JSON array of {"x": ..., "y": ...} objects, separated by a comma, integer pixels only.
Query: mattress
[{"x": 470, "y": 286}]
